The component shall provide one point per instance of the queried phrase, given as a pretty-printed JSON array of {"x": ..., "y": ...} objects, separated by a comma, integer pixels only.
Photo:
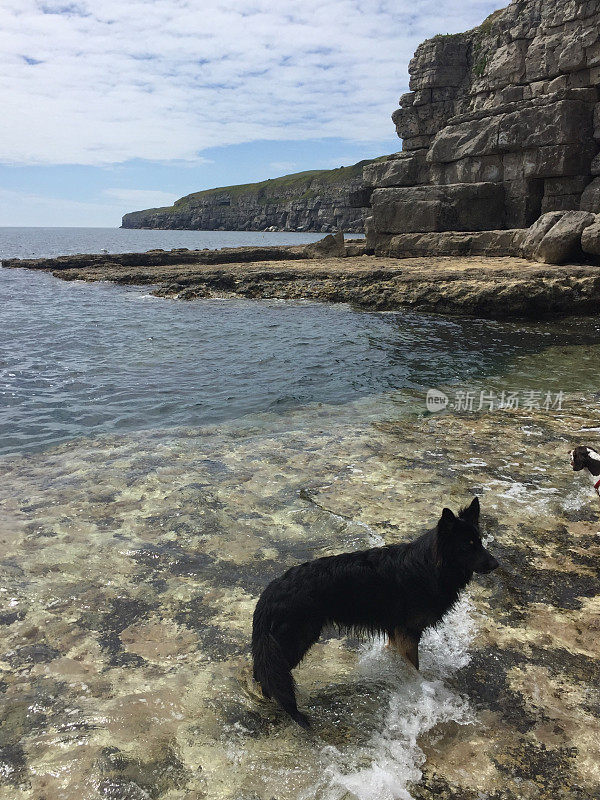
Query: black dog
[{"x": 398, "y": 590}]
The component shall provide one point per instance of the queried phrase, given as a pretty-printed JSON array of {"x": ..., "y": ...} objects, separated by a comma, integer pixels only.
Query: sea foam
[{"x": 392, "y": 759}]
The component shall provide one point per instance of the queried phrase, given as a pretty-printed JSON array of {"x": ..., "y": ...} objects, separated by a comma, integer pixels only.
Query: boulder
[
  {"x": 590, "y": 238},
  {"x": 562, "y": 243},
  {"x": 331, "y": 246},
  {"x": 407, "y": 169},
  {"x": 538, "y": 230},
  {"x": 590, "y": 199}
]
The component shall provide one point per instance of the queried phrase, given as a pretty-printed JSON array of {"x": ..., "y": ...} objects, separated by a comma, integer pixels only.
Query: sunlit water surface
[
  {"x": 50, "y": 242},
  {"x": 163, "y": 461}
]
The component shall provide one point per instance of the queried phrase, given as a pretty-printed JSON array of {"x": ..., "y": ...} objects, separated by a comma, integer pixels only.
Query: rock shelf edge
[{"x": 475, "y": 274}]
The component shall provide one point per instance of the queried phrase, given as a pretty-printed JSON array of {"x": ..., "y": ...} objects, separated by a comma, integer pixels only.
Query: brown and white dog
[{"x": 589, "y": 459}]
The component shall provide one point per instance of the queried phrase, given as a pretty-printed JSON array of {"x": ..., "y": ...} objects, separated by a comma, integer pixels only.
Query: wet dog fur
[{"x": 399, "y": 590}]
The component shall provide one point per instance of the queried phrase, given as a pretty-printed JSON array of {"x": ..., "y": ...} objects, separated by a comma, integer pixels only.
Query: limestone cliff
[
  {"x": 317, "y": 200},
  {"x": 502, "y": 124}
]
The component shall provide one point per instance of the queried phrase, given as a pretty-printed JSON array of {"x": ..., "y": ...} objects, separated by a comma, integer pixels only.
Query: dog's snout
[
  {"x": 487, "y": 564},
  {"x": 493, "y": 564}
]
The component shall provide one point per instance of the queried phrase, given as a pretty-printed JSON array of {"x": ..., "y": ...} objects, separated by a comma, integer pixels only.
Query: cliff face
[
  {"x": 318, "y": 200},
  {"x": 502, "y": 124}
]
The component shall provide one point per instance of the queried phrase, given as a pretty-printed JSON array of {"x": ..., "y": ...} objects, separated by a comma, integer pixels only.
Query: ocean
[
  {"x": 161, "y": 461},
  {"x": 49, "y": 242}
]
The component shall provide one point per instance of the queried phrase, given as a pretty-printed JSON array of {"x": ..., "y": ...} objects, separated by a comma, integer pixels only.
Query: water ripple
[{"x": 79, "y": 359}]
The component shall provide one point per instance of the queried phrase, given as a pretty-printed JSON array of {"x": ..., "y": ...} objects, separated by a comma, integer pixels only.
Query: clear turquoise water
[{"x": 164, "y": 460}]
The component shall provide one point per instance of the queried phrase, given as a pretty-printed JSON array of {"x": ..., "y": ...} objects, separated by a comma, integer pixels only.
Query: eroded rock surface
[
  {"x": 562, "y": 243},
  {"x": 510, "y": 111}
]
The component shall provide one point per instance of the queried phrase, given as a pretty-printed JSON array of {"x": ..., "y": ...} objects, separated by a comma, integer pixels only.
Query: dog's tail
[{"x": 272, "y": 671}]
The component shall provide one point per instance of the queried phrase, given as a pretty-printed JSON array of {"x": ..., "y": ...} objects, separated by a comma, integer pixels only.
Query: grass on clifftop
[
  {"x": 484, "y": 29},
  {"x": 301, "y": 184}
]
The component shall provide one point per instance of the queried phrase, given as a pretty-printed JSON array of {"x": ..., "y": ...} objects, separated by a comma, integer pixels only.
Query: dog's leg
[{"x": 406, "y": 645}]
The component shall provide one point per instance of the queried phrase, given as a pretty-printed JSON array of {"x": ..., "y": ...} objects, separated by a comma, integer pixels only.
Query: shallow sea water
[
  {"x": 132, "y": 564},
  {"x": 78, "y": 359},
  {"x": 132, "y": 560}
]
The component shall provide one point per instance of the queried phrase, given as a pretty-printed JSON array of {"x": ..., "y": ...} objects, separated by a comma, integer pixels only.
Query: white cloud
[
  {"x": 45, "y": 210},
  {"x": 100, "y": 83},
  {"x": 142, "y": 198},
  {"x": 18, "y": 208},
  {"x": 281, "y": 167}
]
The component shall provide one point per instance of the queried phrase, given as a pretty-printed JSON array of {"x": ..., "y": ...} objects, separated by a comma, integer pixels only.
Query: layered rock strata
[
  {"x": 502, "y": 124},
  {"x": 318, "y": 200}
]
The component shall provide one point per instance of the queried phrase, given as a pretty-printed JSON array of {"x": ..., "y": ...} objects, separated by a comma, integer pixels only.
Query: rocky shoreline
[
  {"x": 482, "y": 285},
  {"x": 191, "y": 524}
]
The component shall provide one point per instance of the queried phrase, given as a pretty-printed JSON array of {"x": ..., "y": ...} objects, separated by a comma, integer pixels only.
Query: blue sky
[{"x": 110, "y": 107}]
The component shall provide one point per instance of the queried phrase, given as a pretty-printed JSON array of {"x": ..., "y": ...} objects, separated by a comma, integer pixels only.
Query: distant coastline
[{"x": 318, "y": 201}]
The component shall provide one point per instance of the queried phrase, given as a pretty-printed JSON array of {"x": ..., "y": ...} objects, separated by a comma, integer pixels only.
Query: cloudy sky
[{"x": 111, "y": 106}]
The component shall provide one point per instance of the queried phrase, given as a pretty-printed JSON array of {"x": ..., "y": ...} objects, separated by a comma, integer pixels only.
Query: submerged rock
[{"x": 505, "y": 705}]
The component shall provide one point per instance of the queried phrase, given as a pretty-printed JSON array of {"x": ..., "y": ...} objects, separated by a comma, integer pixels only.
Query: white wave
[
  {"x": 134, "y": 296},
  {"x": 393, "y": 758},
  {"x": 374, "y": 539},
  {"x": 527, "y": 494},
  {"x": 578, "y": 498}
]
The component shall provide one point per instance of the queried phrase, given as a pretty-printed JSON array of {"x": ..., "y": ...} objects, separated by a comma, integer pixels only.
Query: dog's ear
[
  {"x": 471, "y": 514},
  {"x": 447, "y": 521}
]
